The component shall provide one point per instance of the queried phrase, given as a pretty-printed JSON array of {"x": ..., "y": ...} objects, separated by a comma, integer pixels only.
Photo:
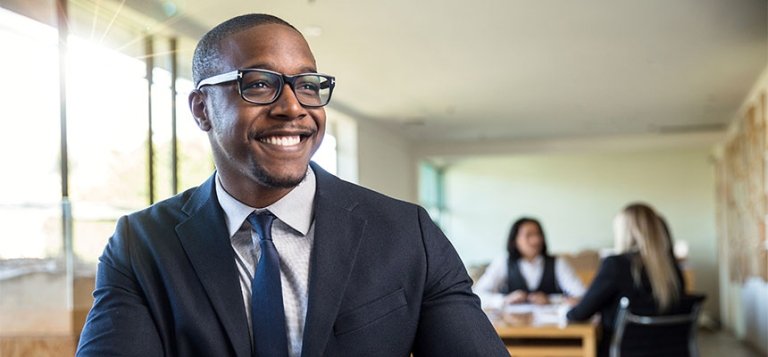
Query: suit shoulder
[
  {"x": 617, "y": 265},
  {"x": 619, "y": 259}
]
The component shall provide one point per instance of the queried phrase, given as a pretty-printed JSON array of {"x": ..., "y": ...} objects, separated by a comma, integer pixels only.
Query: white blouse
[{"x": 494, "y": 278}]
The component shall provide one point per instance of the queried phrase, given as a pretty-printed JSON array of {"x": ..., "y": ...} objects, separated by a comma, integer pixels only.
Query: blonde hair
[{"x": 639, "y": 229}]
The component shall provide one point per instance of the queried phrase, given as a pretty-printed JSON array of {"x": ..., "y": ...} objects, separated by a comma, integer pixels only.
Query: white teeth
[{"x": 282, "y": 140}]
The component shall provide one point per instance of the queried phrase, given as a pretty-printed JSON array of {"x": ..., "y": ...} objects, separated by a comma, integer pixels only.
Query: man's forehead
[
  {"x": 268, "y": 45},
  {"x": 266, "y": 35}
]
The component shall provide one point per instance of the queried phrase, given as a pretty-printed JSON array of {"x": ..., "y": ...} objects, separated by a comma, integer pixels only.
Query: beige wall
[
  {"x": 576, "y": 197},
  {"x": 385, "y": 161}
]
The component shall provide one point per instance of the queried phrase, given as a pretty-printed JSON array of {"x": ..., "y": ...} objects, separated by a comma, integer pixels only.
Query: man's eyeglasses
[{"x": 260, "y": 86}]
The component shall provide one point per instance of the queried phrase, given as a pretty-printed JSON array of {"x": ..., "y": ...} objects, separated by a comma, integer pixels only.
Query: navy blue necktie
[{"x": 267, "y": 313}]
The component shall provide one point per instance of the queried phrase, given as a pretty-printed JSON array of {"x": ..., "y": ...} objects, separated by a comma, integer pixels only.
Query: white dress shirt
[
  {"x": 293, "y": 234},
  {"x": 494, "y": 278}
]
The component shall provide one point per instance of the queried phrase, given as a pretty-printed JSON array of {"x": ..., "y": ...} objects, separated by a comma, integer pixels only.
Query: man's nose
[{"x": 287, "y": 105}]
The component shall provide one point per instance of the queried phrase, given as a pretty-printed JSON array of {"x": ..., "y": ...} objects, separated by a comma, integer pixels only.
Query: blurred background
[{"x": 482, "y": 112}]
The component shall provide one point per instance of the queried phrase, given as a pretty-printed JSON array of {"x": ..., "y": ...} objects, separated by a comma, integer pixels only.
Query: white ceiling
[{"x": 445, "y": 70}]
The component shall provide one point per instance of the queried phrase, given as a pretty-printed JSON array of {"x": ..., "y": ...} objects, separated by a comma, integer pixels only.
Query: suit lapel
[
  {"x": 338, "y": 232},
  {"x": 204, "y": 237}
]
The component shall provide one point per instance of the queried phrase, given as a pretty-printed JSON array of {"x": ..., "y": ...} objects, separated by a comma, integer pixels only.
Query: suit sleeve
[
  {"x": 602, "y": 290},
  {"x": 119, "y": 323},
  {"x": 451, "y": 321}
]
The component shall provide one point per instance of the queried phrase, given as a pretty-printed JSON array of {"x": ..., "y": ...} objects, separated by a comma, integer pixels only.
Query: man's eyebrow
[
  {"x": 258, "y": 66},
  {"x": 267, "y": 66},
  {"x": 309, "y": 70}
]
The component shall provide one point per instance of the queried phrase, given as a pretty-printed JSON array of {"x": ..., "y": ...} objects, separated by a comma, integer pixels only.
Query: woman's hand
[
  {"x": 538, "y": 298},
  {"x": 516, "y": 297},
  {"x": 571, "y": 300}
]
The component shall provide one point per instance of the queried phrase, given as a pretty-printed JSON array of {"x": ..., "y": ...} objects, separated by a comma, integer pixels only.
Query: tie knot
[{"x": 261, "y": 222}]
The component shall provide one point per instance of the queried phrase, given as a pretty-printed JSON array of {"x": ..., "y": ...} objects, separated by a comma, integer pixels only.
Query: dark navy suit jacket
[{"x": 384, "y": 281}]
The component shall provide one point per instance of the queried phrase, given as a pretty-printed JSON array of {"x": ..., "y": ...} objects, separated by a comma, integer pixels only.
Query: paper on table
[
  {"x": 519, "y": 308},
  {"x": 551, "y": 314}
]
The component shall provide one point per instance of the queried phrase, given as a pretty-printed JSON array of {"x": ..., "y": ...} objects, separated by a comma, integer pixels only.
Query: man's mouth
[{"x": 289, "y": 140}]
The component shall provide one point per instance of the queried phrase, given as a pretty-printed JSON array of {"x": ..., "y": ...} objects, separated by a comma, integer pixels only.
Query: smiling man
[{"x": 273, "y": 256}]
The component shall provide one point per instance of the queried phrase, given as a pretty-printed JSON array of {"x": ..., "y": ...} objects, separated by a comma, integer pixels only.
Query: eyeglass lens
[{"x": 264, "y": 87}]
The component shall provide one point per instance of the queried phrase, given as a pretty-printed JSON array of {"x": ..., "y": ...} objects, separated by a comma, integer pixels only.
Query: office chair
[{"x": 641, "y": 331}]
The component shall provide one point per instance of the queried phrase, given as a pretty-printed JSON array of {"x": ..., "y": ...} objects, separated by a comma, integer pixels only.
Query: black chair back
[{"x": 641, "y": 331}]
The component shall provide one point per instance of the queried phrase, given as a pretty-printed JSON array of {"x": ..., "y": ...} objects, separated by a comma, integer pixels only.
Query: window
[{"x": 30, "y": 192}]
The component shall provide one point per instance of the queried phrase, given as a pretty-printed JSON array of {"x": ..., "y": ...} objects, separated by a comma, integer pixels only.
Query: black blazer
[
  {"x": 384, "y": 281},
  {"x": 612, "y": 282}
]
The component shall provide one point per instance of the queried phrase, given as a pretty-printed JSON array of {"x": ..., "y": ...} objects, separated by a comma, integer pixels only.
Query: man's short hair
[{"x": 207, "y": 57}]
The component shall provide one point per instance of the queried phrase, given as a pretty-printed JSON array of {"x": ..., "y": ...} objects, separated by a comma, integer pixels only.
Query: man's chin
[{"x": 282, "y": 180}]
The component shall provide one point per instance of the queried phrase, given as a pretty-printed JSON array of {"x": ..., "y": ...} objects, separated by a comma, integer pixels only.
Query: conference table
[{"x": 538, "y": 331}]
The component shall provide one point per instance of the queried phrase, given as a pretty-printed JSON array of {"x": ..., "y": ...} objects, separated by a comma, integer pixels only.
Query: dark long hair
[{"x": 514, "y": 254}]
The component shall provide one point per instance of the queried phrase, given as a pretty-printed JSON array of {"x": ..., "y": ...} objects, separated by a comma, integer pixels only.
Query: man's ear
[{"x": 199, "y": 112}]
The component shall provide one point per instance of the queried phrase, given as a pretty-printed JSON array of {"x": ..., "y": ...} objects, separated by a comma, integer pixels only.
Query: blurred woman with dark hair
[{"x": 527, "y": 273}]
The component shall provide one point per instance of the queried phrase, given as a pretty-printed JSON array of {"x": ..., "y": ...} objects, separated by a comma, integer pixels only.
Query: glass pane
[
  {"x": 107, "y": 112},
  {"x": 32, "y": 279},
  {"x": 162, "y": 134},
  {"x": 108, "y": 128}
]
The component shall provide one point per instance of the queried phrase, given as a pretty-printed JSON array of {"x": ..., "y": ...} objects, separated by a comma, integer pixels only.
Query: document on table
[{"x": 541, "y": 314}]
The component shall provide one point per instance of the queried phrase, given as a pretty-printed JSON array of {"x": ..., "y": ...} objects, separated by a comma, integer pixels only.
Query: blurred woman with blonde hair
[{"x": 645, "y": 270}]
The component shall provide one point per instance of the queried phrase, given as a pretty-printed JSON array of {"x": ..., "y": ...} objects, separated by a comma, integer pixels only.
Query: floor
[{"x": 723, "y": 344}]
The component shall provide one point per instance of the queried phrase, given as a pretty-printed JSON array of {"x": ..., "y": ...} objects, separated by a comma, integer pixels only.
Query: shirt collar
[
  {"x": 539, "y": 260},
  {"x": 294, "y": 209}
]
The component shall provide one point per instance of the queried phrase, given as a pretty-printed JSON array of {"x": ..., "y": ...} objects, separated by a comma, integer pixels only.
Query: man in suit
[{"x": 360, "y": 274}]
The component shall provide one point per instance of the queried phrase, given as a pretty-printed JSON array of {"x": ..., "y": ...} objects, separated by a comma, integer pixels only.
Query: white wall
[
  {"x": 385, "y": 161},
  {"x": 576, "y": 197}
]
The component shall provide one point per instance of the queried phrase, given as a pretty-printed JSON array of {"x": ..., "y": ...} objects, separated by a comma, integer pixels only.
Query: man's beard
[{"x": 276, "y": 182}]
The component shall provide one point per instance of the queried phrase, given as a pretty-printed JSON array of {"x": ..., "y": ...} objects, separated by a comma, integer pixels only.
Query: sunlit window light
[{"x": 107, "y": 122}]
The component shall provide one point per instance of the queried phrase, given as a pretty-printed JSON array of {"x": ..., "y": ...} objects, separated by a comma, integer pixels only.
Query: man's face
[{"x": 266, "y": 145}]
